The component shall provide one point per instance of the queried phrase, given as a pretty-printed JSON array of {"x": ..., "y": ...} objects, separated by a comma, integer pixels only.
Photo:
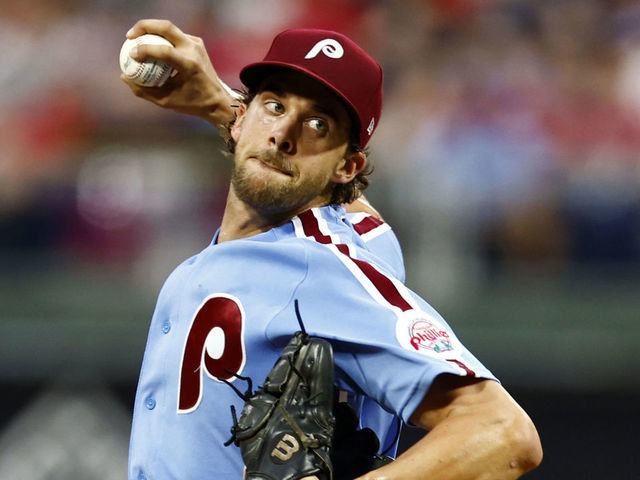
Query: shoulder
[
  {"x": 367, "y": 226},
  {"x": 325, "y": 226},
  {"x": 357, "y": 236},
  {"x": 362, "y": 205},
  {"x": 380, "y": 239},
  {"x": 340, "y": 261}
]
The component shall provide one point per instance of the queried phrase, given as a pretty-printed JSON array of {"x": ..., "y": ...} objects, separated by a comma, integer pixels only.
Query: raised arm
[
  {"x": 195, "y": 89},
  {"x": 476, "y": 431}
]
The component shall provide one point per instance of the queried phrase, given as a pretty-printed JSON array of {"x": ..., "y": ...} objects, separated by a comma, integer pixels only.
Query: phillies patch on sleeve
[{"x": 423, "y": 333}]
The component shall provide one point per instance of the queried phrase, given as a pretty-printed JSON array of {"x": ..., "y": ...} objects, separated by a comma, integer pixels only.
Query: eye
[
  {"x": 318, "y": 124},
  {"x": 274, "y": 107}
]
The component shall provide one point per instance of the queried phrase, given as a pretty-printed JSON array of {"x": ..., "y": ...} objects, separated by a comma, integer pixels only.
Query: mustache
[{"x": 276, "y": 160}]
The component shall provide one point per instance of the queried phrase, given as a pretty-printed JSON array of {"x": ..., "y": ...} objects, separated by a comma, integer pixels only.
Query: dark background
[{"x": 583, "y": 436}]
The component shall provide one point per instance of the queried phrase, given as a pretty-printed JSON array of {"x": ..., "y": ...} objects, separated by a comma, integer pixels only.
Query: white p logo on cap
[{"x": 330, "y": 47}]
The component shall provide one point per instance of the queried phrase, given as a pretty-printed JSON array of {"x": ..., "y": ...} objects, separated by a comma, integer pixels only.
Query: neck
[{"x": 241, "y": 220}]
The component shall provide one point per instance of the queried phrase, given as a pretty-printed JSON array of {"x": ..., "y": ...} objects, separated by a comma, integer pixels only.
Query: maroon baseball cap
[{"x": 334, "y": 60}]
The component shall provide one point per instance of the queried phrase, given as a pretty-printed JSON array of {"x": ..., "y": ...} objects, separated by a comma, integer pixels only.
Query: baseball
[{"x": 151, "y": 72}]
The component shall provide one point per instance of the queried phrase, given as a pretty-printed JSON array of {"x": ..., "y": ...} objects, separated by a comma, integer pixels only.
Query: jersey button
[
  {"x": 166, "y": 327},
  {"x": 142, "y": 476},
  {"x": 150, "y": 403}
]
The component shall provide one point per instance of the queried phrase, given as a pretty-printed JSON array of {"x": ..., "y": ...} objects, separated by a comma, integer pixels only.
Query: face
[{"x": 291, "y": 146}]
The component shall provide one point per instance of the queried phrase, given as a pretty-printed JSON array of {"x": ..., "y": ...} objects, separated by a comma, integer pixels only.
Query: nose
[{"x": 283, "y": 135}]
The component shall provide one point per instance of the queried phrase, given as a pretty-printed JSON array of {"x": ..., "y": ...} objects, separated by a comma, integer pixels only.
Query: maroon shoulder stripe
[
  {"x": 383, "y": 285},
  {"x": 367, "y": 224},
  {"x": 312, "y": 229},
  {"x": 381, "y": 282}
]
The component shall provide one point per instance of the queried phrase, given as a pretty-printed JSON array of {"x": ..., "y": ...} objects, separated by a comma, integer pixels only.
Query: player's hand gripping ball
[{"x": 150, "y": 72}]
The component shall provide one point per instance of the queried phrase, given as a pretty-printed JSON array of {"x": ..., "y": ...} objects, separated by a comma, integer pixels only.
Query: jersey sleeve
[{"x": 389, "y": 343}]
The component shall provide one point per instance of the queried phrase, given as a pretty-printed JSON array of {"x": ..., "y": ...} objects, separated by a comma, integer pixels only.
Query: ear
[
  {"x": 346, "y": 170},
  {"x": 237, "y": 125}
]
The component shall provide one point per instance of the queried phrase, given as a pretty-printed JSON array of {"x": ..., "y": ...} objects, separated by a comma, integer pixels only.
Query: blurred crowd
[{"x": 509, "y": 140}]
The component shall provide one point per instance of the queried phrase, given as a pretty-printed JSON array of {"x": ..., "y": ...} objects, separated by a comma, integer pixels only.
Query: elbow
[{"x": 524, "y": 444}]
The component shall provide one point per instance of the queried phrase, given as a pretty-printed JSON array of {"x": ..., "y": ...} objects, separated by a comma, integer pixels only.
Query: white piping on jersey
[
  {"x": 349, "y": 260},
  {"x": 357, "y": 217},
  {"x": 376, "y": 232},
  {"x": 364, "y": 280},
  {"x": 325, "y": 230}
]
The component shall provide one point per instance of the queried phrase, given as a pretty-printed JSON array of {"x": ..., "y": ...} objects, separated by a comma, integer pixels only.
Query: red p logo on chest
[{"x": 214, "y": 345}]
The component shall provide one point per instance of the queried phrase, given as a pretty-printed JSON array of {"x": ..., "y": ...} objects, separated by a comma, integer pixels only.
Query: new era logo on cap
[
  {"x": 334, "y": 60},
  {"x": 372, "y": 125}
]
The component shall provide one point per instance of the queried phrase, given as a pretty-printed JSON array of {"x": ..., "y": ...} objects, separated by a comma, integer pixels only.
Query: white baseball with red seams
[{"x": 151, "y": 72}]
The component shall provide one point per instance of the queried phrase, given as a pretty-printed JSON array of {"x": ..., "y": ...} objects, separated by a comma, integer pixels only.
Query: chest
[{"x": 211, "y": 319}]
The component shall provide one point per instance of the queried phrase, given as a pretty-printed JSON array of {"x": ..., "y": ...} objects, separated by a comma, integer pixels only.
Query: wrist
[{"x": 220, "y": 110}]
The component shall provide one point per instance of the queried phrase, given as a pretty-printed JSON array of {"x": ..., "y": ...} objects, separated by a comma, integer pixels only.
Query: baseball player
[
  {"x": 198, "y": 91},
  {"x": 225, "y": 314}
]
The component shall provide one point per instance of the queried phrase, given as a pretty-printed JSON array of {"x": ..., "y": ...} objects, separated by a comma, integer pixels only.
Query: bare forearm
[
  {"x": 195, "y": 88},
  {"x": 477, "y": 432},
  {"x": 462, "y": 449}
]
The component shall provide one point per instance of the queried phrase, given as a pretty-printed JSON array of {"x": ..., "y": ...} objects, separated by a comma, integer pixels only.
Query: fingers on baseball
[
  {"x": 152, "y": 94},
  {"x": 167, "y": 54}
]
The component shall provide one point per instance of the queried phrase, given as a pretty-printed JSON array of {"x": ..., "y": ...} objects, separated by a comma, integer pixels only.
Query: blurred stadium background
[{"x": 508, "y": 161}]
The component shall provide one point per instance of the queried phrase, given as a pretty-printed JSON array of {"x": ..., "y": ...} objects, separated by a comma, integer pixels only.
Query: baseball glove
[{"x": 288, "y": 428}]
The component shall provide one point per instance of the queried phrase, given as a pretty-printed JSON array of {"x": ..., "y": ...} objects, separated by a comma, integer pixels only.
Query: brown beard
[{"x": 273, "y": 198}]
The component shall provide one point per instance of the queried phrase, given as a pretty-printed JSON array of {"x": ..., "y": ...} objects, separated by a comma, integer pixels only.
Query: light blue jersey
[{"x": 231, "y": 309}]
